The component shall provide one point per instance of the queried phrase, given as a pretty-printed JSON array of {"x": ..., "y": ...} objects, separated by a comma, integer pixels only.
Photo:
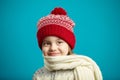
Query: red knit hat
[{"x": 56, "y": 24}]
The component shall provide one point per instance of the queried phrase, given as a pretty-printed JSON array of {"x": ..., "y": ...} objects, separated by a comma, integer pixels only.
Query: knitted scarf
[{"x": 84, "y": 67}]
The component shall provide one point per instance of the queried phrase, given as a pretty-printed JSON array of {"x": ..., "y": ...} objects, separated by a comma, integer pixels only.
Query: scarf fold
[{"x": 84, "y": 67}]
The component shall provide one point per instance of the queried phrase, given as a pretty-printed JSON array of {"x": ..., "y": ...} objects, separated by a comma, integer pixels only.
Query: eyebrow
[
  {"x": 46, "y": 41},
  {"x": 60, "y": 39}
]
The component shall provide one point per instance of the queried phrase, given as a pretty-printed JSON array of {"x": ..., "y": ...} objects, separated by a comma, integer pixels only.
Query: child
[{"x": 57, "y": 40}]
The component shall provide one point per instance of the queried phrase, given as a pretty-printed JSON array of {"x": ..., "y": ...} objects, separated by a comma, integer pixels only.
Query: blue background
[{"x": 97, "y": 32}]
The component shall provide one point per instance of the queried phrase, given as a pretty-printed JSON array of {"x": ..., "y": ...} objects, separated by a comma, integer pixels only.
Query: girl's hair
[{"x": 70, "y": 51}]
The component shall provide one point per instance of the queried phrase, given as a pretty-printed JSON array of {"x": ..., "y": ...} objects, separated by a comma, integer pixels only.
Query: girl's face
[{"x": 54, "y": 46}]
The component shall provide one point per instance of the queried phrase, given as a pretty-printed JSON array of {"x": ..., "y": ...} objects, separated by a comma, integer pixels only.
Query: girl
[{"x": 57, "y": 40}]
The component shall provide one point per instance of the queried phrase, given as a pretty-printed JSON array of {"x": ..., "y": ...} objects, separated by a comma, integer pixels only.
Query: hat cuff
[{"x": 56, "y": 30}]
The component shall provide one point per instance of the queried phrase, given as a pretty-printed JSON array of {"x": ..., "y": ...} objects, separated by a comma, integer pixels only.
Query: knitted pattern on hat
[
  {"x": 59, "y": 17},
  {"x": 54, "y": 25}
]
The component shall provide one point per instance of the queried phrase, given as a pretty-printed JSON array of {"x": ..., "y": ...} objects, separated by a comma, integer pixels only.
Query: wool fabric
[
  {"x": 83, "y": 67},
  {"x": 56, "y": 24}
]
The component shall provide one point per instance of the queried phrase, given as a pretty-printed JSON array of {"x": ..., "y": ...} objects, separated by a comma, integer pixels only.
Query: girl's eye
[
  {"x": 46, "y": 43},
  {"x": 59, "y": 42}
]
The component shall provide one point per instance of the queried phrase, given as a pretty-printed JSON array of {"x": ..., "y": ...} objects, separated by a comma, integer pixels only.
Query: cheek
[
  {"x": 64, "y": 50},
  {"x": 45, "y": 51}
]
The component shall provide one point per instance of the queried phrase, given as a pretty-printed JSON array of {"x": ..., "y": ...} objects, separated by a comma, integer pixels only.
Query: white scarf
[{"x": 84, "y": 67}]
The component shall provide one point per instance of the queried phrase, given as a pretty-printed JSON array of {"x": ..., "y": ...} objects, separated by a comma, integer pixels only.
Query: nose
[{"x": 53, "y": 47}]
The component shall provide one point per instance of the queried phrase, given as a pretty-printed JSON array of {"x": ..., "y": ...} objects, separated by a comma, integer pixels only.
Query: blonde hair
[{"x": 70, "y": 51}]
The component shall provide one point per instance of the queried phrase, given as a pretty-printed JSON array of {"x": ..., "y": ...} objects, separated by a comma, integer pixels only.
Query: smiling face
[{"x": 54, "y": 46}]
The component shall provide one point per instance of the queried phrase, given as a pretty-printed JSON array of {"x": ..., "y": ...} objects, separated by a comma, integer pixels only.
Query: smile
[{"x": 54, "y": 54}]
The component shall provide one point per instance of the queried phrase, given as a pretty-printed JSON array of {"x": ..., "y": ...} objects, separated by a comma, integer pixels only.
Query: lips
[{"x": 53, "y": 54}]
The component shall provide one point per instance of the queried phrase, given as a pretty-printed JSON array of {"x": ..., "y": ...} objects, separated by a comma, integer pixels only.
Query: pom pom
[{"x": 59, "y": 11}]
